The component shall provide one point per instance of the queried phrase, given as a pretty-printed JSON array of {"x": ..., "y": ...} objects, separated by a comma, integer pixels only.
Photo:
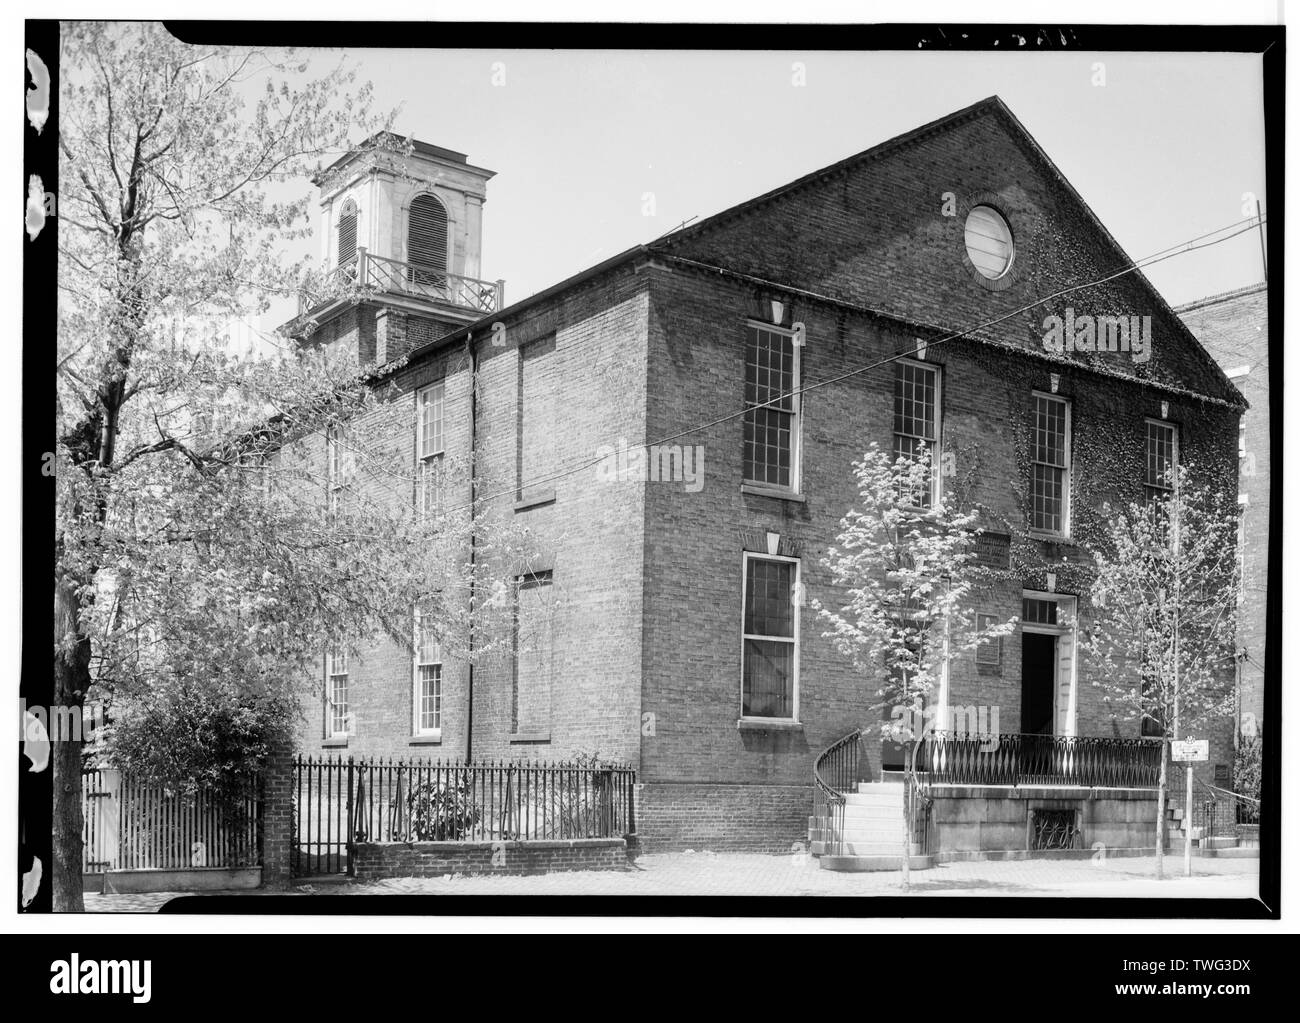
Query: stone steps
[{"x": 856, "y": 863}]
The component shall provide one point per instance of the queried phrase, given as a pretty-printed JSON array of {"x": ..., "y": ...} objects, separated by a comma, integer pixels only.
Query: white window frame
[
  {"x": 1067, "y": 479},
  {"x": 331, "y": 675},
  {"x": 796, "y": 406},
  {"x": 747, "y": 557},
  {"x": 418, "y": 727},
  {"x": 430, "y": 459},
  {"x": 1148, "y": 422},
  {"x": 936, "y": 447},
  {"x": 337, "y": 474}
]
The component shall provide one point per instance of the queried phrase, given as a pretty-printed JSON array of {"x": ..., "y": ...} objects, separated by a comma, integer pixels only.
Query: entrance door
[{"x": 1038, "y": 683}]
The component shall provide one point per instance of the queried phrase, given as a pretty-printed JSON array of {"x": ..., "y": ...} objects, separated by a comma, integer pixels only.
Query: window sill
[
  {"x": 536, "y": 501},
  {"x": 759, "y": 490},
  {"x": 531, "y": 737},
  {"x": 1039, "y": 534},
  {"x": 768, "y": 725},
  {"x": 339, "y": 743},
  {"x": 428, "y": 739}
]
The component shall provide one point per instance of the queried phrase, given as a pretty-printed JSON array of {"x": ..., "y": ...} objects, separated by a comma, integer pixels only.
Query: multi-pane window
[
  {"x": 989, "y": 651},
  {"x": 428, "y": 678},
  {"x": 336, "y": 468},
  {"x": 1049, "y": 484},
  {"x": 771, "y": 408},
  {"x": 916, "y": 420},
  {"x": 336, "y": 692},
  {"x": 430, "y": 402},
  {"x": 1162, "y": 459},
  {"x": 1038, "y": 612},
  {"x": 770, "y": 638}
]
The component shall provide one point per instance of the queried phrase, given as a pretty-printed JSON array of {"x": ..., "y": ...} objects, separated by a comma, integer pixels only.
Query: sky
[{"x": 1163, "y": 151}]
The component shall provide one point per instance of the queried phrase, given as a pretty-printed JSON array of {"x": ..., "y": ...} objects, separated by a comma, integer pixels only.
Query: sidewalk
[{"x": 705, "y": 873}]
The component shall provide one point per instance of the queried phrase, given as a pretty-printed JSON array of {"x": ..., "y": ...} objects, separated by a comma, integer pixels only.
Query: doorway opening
[{"x": 1038, "y": 683}]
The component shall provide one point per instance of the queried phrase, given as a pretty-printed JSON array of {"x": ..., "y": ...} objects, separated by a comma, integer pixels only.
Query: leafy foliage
[
  {"x": 1247, "y": 770},
  {"x": 442, "y": 811},
  {"x": 204, "y": 555},
  {"x": 197, "y": 736},
  {"x": 1164, "y": 601},
  {"x": 1165, "y": 615},
  {"x": 908, "y": 574}
]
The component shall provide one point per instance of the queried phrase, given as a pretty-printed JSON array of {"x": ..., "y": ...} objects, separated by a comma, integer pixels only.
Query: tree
[
  {"x": 1165, "y": 609},
  {"x": 206, "y": 536},
  {"x": 906, "y": 561}
]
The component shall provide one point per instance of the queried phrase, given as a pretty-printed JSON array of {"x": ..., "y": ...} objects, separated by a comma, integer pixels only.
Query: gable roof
[
  {"x": 1185, "y": 365},
  {"x": 1188, "y": 369}
]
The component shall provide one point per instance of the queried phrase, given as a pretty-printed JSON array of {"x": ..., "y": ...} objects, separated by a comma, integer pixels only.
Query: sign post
[{"x": 1189, "y": 751}]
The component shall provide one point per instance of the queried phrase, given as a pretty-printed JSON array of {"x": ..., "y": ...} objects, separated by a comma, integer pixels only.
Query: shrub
[
  {"x": 442, "y": 811},
  {"x": 1246, "y": 766}
]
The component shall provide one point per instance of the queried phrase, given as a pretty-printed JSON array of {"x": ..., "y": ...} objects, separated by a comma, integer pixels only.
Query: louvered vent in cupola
[
  {"x": 426, "y": 242},
  {"x": 348, "y": 233}
]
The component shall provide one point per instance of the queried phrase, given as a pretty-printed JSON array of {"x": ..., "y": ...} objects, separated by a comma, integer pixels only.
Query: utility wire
[{"x": 1157, "y": 257}]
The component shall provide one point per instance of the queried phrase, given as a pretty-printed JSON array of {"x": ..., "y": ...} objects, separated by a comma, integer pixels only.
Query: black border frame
[{"x": 39, "y": 322}]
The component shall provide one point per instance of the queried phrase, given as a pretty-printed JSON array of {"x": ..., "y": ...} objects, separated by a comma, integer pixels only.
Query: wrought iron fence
[
  {"x": 340, "y": 801},
  {"x": 964, "y": 759}
]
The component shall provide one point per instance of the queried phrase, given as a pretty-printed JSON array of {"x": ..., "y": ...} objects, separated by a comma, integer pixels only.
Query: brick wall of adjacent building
[{"x": 1234, "y": 328}]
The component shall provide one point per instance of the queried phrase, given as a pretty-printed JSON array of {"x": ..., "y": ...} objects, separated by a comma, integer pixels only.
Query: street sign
[{"x": 1190, "y": 749}]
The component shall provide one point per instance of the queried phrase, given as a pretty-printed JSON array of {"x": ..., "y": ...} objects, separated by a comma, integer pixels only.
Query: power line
[{"x": 1178, "y": 249}]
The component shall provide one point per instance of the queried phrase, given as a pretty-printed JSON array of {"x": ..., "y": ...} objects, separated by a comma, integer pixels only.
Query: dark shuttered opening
[
  {"x": 426, "y": 243},
  {"x": 348, "y": 233}
]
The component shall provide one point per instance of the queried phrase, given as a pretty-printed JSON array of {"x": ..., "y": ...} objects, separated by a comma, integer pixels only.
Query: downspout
[{"x": 473, "y": 533}]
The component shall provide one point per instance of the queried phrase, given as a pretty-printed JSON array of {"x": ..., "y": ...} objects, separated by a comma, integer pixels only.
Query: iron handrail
[
  {"x": 384, "y": 273},
  {"x": 828, "y": 800},
  {"x": 471, "y": 292}
]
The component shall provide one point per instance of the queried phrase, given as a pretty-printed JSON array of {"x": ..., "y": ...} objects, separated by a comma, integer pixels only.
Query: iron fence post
[{"x": 351, "y": 868}]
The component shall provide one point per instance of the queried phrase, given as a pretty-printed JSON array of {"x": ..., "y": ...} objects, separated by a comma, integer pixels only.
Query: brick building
[
  {"x": 681, "y": 560},
  {"x": 1233, "y": 327}
]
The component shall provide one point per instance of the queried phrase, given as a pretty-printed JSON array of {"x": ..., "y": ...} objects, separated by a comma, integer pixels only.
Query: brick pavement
[{"x": 704, "y": 873}]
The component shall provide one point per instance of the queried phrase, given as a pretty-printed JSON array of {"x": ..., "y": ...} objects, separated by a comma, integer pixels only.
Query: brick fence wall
[
  {"x": 730, "y": 818},
  {"x": 277, "y": 818},
  {"x": 429, "y": 859}
]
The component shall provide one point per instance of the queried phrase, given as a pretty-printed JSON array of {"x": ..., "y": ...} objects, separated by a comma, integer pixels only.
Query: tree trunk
[
  {"x": 909, "y": 773},
  {"x": 1160, "y": 811},
  {"x": 71, "y": 680}
]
